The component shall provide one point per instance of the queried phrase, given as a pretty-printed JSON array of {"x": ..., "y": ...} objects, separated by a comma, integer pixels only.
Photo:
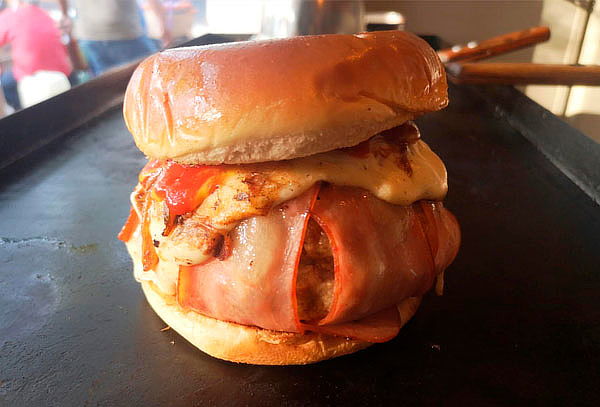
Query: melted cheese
[
  {"x": 382, "y": 176},
  {"x": 400, "y": 170},
  {"x": 164, "y": 275}
]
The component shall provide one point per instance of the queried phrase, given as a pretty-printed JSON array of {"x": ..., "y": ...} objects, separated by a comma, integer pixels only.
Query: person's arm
[
  {"x": 64, "y": 6},
  {"x": 66, "y": 24},
  {"x": 158, "y": 9},
  {"x": 4, "y": 27}
]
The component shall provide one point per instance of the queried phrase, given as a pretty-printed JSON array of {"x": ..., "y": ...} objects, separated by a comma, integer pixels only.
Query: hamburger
[{"x": 289, "y": 211}]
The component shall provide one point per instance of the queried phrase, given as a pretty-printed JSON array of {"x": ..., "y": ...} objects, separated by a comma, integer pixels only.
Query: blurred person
[
  {"x": 179, "y": 19},
  {"x": 7, "y": 79},
  {"x": 110, "y": 32},
  {"x": 2, "y": 104},
  {"x": 40, "y": 63},
  {"x": 9, "y": 88}
]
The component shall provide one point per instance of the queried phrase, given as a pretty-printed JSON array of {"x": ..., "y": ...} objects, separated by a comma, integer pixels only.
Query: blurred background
[{"x": 47, "y": 47}]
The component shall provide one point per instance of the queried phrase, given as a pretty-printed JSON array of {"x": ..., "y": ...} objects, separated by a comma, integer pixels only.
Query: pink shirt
[{"x": 35, "y": 41}]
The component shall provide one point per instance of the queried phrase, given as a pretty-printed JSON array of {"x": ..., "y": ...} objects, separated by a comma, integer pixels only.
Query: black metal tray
[{"x": 519, "y": 323}]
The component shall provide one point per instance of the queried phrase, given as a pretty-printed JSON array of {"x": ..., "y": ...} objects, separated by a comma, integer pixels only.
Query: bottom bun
[{"x": 246, "y": 344}]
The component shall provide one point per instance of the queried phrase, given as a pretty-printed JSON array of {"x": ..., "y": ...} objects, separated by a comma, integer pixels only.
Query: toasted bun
[
  {"x": 245, "y": 344},
  {"x": 280, "y": 99}
]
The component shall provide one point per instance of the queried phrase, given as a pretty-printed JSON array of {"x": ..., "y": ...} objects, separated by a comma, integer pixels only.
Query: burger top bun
[{"x": 279, "y": 99}]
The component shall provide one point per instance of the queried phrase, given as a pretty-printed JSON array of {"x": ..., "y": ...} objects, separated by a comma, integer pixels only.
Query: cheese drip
[{"x": 383, "y": 176}]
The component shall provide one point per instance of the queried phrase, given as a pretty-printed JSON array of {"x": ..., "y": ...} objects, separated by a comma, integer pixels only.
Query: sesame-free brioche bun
[
  {"x": 279, "y": 99},
  {"x": 246, "y": 344}
]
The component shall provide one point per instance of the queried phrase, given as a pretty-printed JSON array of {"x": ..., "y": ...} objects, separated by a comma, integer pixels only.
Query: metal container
[
  {"x": 287, "y": 18},
  {"x": 384, "y": 20}
]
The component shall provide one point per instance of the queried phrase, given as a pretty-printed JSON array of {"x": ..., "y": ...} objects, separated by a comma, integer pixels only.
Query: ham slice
[
  {"x": 383, "y": 254},
  {"x": 129, "y": 227},
  {"x": 380, "y": 251},
  {"x": 379, "y": 327},
  {"x": 256, "y": 283},
  {"x": 442, "y": 230}
]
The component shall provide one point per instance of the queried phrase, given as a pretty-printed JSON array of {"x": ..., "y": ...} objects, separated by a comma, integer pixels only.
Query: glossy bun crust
[
  {"x": 245, "y": 344},
  {"x": 279, "y": 99}
]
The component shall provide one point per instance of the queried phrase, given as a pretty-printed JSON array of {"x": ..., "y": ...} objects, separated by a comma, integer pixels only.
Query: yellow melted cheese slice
[{"x": 399, "y": 173}]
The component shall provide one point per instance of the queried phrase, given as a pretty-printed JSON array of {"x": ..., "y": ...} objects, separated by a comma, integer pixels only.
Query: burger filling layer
[
  {"x": 190, "y": 209},
  {"x": 275, "y": 244}
]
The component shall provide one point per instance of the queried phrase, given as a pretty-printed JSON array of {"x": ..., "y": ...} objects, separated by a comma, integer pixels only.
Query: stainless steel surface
[
  {"x": 384, "y": 20},
  {"x": 585, "y": 4},
  {"x": 286, "y": 18}
]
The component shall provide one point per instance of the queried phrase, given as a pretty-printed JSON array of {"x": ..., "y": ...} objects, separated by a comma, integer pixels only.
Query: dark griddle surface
[{"x": 519, "y": 323}]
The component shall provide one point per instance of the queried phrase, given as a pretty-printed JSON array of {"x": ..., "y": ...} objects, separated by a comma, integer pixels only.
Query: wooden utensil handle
[
  {"x": 524, "y": 73},
  {"x": 497, "y": 45}
]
